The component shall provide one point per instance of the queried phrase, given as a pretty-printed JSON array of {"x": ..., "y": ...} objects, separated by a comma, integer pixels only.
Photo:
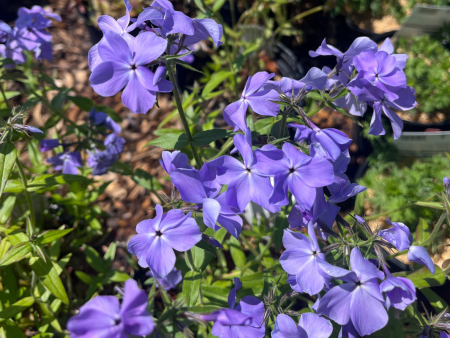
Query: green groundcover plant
[{"x": 249, "y": 241}]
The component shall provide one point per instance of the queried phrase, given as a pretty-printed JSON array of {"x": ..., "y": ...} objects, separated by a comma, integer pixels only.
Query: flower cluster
[
  {"x": 121, "y": 60},
  {"x": 99, "y": 160},
  {"x": 28, "y": 34}
]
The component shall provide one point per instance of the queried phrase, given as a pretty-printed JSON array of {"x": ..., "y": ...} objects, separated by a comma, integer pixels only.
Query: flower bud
[{"x": 447, "y": 186}]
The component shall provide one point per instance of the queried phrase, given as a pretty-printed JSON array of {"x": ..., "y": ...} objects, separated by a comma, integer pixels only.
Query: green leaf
[
  {"x": 314, "y": 96},
  {"x": 58, "y": 100},
  {"x": 422, "y": 231},
  {"x": 8, "y": 155},
  {"x": 170, "y": 141},
  {"x": 215, "y": 80},
  {"x": 177, "y": 56},
  {"x": 424, "y": 279},
  {"x": 207, "y": 247},
  {"x": 84, "y": 277},
  {"x": 144, "y": 179},
  {"x": 7, "y": 208},
  {"x": 16, "y": 253},
  {"x": 51, "y": 235},
  {"x": 200, "y": 258},
  {"x": 434, "y": 205},
  {"x": 252, "y": 285},
  {"x": 110, "y": 254},
  {"x": 216, "y": 293},
  {"x": 82, "y": 102},
  {"x": 237, "y": 254},
  {"x": 204, "y": 138},
  {"x": 218, "y": 5},
  {"x": 203, "y": 309},
  {"x": 121, "y": 168},
  {"x": 436, "y": 301},
  {"x": 188, "y": 66},
  {"x": 117, "y": 276},
  {"x": 16, "y": 308},
  {"x": 51, "y": 180},
  {"x": 14, "y": 186},
  {"x": 191, "y": 287},
  {"x": 48, "y": 275},
  {"x": 94, "y": 259},
  {"x": 281, "y": 223}
]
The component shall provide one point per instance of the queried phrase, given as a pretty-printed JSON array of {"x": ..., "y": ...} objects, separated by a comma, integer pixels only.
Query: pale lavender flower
[
  {"x": 245, "y": 181},
  {"x": 114, "y": 144},
  {"x": 100, "y": 161},
  {"x": 254, "y": 96},
  {"x": 419, "y": 255},
  {"x": 201, "y": 187},
  {"x": 174, "y": 160},
  {"x": 359, "y": 300},
  {"x": 399, "y": 235},
  {"x": 310, "y": 325},
  {"x": 67, "y": 162},
  {"x": 121, "y": 26},
  {"x": 100, "y": 118},
  {"x": 304, "y": 259},
  {"x": 239, "y": 320},
  {"x": 170, "y": 281},
  {"x": 124, "y": 65},
  {"x": 46, "y": 145},
  {"x": 103, "y": 316},
  {"x": 446, "y": 181},
  {"x": 400, "y": 292},
  {"x": 341, "y": 189},
  {"x": 294, "y": 171},
  {"x": 158, "y": 237}
]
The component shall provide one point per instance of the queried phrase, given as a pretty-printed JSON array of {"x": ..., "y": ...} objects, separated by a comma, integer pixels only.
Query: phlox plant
[{"x": 295, "y": 268}]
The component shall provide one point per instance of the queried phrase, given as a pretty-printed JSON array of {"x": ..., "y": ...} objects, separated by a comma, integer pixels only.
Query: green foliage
[
  {"x": 392, "y": 191},
  {"x": 427, "y": 71}
]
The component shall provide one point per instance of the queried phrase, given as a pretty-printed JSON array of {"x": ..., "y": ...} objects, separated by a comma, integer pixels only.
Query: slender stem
[
  {"x": 250, "y": 247},
  {"x": 4, "y": 96},
  {"x": 183, "y": 116},
  {"x": 297, "y": 17},
  {"x": 23, "y": 177},
  {"x": 283, "y": 122},
  {"x": 233, "y": 14},
  {"x": 227, "y": 145}
]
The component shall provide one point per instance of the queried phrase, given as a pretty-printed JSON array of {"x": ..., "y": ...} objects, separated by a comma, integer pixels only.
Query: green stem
[
  {"x": 283, "y": 122},
  {"x": 187, "y": 130},
  {"x": 23, "y": 177},
  {"x": 227, "y": 145},
  {"x": 4, "y": 96},
  {"x": 233, "y": 14},
  {"x": 247, "y": 243}
]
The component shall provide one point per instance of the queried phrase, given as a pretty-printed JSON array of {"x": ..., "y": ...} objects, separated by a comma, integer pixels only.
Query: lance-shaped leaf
[
  {"x": 51, "y": 235},
  {"x": 18, "y": 252},
  {"x": 8, "y": 155},
  {"x": 48, "y": 275},
  {"x": 191, "y": 287},
  {"x": 16, "y": 308}
]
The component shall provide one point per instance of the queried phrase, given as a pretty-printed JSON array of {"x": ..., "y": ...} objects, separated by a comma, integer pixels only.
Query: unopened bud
[
  {"x": 447, "y": 186},
  {"x": 159, "y": 74}
]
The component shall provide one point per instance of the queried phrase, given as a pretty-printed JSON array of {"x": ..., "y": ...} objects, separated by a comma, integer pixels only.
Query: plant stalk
[
  {"x": 24, "y": 180},
  {"x": 183, "y": 116}
]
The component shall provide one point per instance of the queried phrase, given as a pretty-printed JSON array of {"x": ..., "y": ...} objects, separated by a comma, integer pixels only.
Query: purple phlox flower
[
  {"x": 379, "y": 68},
  {"x": 114, "y": 144},
  {"x": 310, "y": 325},
  {"x": 100, "y": 161},
  {"x": 201, "y": 187},
  {"x": 399, "y": 58},
  {"x": 124, "y": 66},
  {"x": 12, "y": 50},
  {"x": 174, "y": 160},
  {"x": 240, "y": 320},
  {"x": 36, "y": 17},
  {"x": 444, "y": 334},
  {"x": 68, "y": 162},
  {"x": 245, "y": 181},
  {"x": 364, "y": 91},
  {"x": 158, "y": 237},
  {"x": 5, "y": 30},
  {"x": 354, "y": 107},
  {"x": 399, "y": 235},
  {"x": 187, "y": 58},
  {"x": 295, "y": 171},
  {"x": 102, "y": 316},
  {"x": 256, "y": 97},
  {"x": 358, "y": 46},
  {"x": 170, "y": 281},
  {"x": 341, "y": 189},
  {"x": 359, "y": 300},
  {"x": 100, "y": 118},
  {"x": 446, "y": 181},
  {"x": 211, "y": 240},
  {"x": 304, "y": 259},
  {"x": 204, "y": 28},
  {"x": 160, "y": 73},
  {"x": 348, "y": 331},
  {"x": 419, "y": 255},
  {"x": 332, "y": 140},
  {"x": 314, "y": 79},
  {"x": 341, "y": 163},
  {"x": 292, "y": 280},
  {"x": 121, "y": 26},
  {"x": 400, "y": 292},
  {"x": 46, "y": 145}
]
